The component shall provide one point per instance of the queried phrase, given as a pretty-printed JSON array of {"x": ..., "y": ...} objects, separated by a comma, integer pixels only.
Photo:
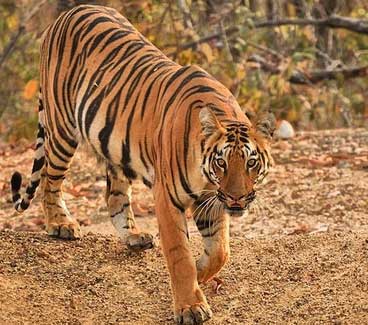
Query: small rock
[
  {"x": 343, "y": 164},
  {"x": 284, "y": 130},
  {"x": 334, "y": 194}
]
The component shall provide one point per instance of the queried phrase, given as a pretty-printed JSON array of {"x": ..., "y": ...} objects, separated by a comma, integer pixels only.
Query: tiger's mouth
[
  {"x": 236, "y": 211},
  {"x": 236, "y": 208}
]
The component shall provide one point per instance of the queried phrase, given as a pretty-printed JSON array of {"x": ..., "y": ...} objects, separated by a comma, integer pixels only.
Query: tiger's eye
[
  {"x": 221, "y": 163},
  {"x": 251, "y": 162}
]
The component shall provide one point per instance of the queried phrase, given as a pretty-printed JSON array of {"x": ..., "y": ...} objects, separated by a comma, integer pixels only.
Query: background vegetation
[{"x": 307, "y": 61}]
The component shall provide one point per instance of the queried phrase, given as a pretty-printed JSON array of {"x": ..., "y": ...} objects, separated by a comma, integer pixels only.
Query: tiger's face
[{"x": 236, "y": 159}]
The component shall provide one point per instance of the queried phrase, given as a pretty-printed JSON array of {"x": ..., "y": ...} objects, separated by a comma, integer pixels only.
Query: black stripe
[
  {"x": 153, "y": 83},
  {"x": 38, "y": 164},
  {"x": 203, "y": 223},
  {"x": 55, "y": 177},
  {"x": 147, "y": 152},
  {"x": 16, "y": 197},
  {"x": 31, "y": 189},
  {"x": 146, "y": 182},
  {"x": 24, "y": 205},
  {"x": 82, "y": 18},
  {"x": 174, "y": 202},
  {"x": 118, "y": 35},
  {"x": 124, "y": 206},
  {"x": 183, "y": 181},
  {"x": 93, "y": 23},
  {"x": 56, "y": 167},
  {"x": 91, "y": 111},
  {"x": 16, "y": 182},
  {"x": 98, "y": 39},
  {"x": 141, "y": 157},
  {"x": 56, "y": 153}
]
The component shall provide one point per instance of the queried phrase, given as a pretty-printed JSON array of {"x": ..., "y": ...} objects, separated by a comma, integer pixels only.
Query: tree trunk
[
  {"x": 272, "y": 14},
  {"x": 326, "y": 43},
  {"x": 301, "y": 8},
  {"x": 254, "y": 5},
  {"x": 272, "y": 9},
  {"x": 187, "y": 19}
]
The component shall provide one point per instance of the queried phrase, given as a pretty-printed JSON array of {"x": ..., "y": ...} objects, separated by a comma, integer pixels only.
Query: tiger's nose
[
  {"x": 236, "y": 201},
  {"x": 240, "y": 201}
]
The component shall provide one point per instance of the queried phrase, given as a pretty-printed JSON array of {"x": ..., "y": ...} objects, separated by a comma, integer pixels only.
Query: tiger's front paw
[
  {"x": 140, "y": 242},
  {"x": 70, "y": 230},
  {"x": 194, "y": 314}
]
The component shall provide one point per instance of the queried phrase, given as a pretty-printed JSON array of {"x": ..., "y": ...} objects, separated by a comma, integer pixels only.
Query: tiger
[{"x": 147, "y": 118}]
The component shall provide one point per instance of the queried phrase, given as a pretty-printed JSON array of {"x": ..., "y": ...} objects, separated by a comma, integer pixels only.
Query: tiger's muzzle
[{"x": 236, "y": 203}]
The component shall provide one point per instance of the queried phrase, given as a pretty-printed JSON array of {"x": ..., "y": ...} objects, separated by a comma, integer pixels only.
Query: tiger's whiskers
[{"x": 202, "y": 205}]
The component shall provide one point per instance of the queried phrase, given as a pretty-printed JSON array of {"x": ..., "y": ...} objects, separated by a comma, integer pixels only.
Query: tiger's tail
[{"x": 22, "y": 203}]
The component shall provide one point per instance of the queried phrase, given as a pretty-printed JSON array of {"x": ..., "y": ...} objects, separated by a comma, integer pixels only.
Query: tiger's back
[{"x": 101, "y": 77}]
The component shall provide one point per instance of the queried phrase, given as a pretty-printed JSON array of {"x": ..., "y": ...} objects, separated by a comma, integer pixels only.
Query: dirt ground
[
  {"x": 300, "y": 256},
  {"x": 304, "y": 279}
]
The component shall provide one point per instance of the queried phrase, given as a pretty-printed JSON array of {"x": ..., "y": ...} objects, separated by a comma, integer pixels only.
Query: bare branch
[
  {"x": 310, "y": 77},
  {"x": 10, "y": 46},
  {"x": 299, "y": 77},
  {"x": 352, "y": 24}
]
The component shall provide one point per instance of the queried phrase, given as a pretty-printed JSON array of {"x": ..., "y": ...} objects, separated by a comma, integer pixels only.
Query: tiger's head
[{"x": 236, "y": 158}]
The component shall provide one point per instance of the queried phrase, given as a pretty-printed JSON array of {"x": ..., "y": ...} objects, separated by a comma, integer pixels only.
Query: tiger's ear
[
  {"x": 266, "y": 124},
  {"x": 210, "y": 123}
]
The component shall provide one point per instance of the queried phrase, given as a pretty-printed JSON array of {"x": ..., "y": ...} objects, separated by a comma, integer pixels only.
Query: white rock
[{"x": 285, "y": 130}]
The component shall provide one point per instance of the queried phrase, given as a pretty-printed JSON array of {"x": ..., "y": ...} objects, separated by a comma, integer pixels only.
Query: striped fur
[{"x": 175, "y": 128}]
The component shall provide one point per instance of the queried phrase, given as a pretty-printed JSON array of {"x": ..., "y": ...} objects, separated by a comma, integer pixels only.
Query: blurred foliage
[{"x": 170, "y": 25}]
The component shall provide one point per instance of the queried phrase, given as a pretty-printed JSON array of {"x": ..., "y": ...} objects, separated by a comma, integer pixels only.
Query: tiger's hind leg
[
  {"x": 59, "y": 222},
  {"x": 118, "y": 198}
]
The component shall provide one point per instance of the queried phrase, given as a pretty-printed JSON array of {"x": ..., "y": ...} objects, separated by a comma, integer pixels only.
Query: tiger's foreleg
[
  {"x": 118, "y": 198},
  {"x": 214, "y": 228},
  {"x": 190, "y": 304}
]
